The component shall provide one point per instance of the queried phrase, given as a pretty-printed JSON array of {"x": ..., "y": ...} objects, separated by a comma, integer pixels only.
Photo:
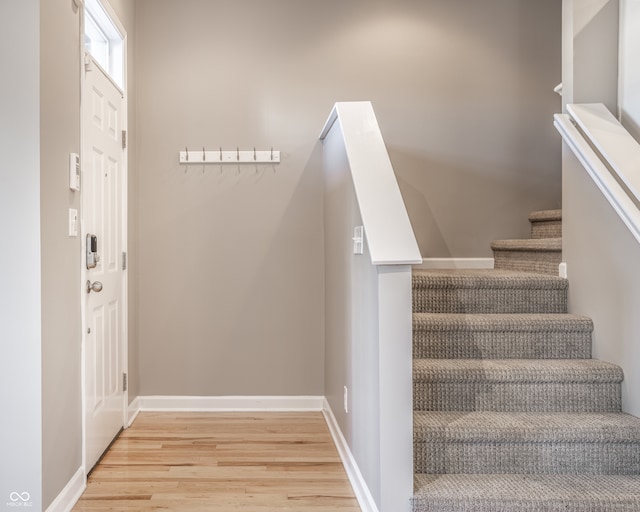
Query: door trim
[{"x": 124, "y": 348}]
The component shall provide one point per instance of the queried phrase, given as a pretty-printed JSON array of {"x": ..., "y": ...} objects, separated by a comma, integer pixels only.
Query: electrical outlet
[{"x": 346, "y": 400}]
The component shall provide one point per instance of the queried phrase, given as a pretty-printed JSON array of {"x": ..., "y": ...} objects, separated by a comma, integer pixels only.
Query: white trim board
[
  {"x": 132, "y": 412},
  {"x": 71, "y": 493},
  {"x": 360, "y": 488},
  {"x": 448, "y": 263},
  {"x": 226, "y": 403},
  {"x": 563, "y": 271}
]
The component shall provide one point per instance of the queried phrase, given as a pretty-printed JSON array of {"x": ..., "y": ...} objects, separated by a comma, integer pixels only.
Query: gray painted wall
[
  {"x": 602, "y": 257},
  {"x": 20, "y": 294},
  {"x": 230, "y": 276},
  {"x": 61, "y": 322},
  {"x": 351, "y": 318},
  {"x": 590, "y": 52},
  {"x": 465, "y": 109},
  {"x": 629, "y": 104}
]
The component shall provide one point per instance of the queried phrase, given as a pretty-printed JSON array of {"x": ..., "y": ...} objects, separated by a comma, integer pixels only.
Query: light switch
[
  {"x": 73, "y": 222},
  {"x": 74, "y": 171},
  {"x": 358, "y": 240}
]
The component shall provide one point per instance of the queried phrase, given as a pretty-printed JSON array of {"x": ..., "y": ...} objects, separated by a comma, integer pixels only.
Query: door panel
[{"x": 102, "y": 211}]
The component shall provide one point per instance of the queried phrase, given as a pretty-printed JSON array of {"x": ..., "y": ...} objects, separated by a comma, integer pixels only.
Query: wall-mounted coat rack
[{"x": 236, "y": 156}]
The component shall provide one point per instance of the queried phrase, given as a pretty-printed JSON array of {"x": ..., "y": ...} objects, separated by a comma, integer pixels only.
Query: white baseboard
[
  {"x": 68, "y": 497},
  {"x": 229, "y": 403},
  {"x": 457, "y": 263},
  {"x": 133, "y": 411},
  {"x": 360, "y": 488},
  {"x": 562, "y": 270}
]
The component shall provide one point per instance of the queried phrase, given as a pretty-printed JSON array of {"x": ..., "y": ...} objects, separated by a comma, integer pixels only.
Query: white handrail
[
  {"x": 612, "y": 140},
  {"x": 618, "y": 152},
  {"x": 387, "y": 227}
]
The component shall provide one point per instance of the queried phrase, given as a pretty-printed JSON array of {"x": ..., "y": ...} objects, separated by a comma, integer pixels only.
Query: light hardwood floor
[{"x": 221, "y": 461}]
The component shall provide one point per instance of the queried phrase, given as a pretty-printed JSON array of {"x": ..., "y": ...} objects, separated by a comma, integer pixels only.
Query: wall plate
[
  {"x": 74, "y": 171},
  {"x": 73, "y": 222}
]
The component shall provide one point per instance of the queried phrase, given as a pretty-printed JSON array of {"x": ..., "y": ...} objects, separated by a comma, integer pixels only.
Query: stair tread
[
  {"x": 539, "y": 493},
  {"x": 545, "y": 215},
  {"x": 526, "y": 427},
  {"x": 516, "y": 370},
  {"x": 486, "y": 278},
  {"x": 488, "y": 291},
  {"x": 528, "y": 244},
  {"x": 520, "y": 322}
]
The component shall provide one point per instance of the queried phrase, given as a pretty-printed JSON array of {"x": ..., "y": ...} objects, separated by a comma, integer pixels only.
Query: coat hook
[
  {"x": 272, "y": 153},
  {"x": 204, "y": 156},
  {"x": 254, "y": 153},
  {"x": 237, "y": 153},
  {"x": 221, "y": 153},
  {"x": 186, "y": 150}
]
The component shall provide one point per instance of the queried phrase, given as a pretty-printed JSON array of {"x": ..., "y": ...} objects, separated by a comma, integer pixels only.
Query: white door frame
[{"x": 124, "y": 203}]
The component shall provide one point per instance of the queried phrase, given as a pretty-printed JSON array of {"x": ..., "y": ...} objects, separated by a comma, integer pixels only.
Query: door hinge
[
  {"x": 124, "y": 260},
  {"x": 124, "y": 139},
  {"x": 125, "y": 381},
  {"x": 87, "y": 62}
]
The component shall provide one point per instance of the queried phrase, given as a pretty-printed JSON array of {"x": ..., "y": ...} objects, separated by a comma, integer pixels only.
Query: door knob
[{"x": 96, "y": 286}]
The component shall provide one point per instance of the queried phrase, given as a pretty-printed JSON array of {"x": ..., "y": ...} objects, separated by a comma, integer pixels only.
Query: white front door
[{"x": 103, "y": 194}]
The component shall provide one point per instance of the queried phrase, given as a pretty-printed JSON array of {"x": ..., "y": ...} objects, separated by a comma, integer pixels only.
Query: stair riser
[
  {"x": 516, "y": 396},
  {"x": 546, "y": 229},
  {"x": 432, "y": 344},
  {"x": 437, "y": 457},
  {"x": 535, "y": 261},
  {"x": 489, "y": 300},
  {"x": 526, "y": 493},
  {"x": 515, "y": 504}
]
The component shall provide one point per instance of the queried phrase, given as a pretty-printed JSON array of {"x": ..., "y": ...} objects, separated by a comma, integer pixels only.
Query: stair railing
[
  {"x": 609, "y": 154},
  {"x": 369, "y": 249}
]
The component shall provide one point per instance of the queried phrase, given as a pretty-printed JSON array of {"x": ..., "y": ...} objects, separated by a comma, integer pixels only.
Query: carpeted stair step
[
  {"x": 526, "y": 443},
  {"x": 531, "y": 255},
  {"x": 510, "y": 385},
  {"x": 501, "y": 336},
  {"x": 510, "y": 412},
  {"x": 526, "y": 493},
  {"x": 546, "y": 224},
  {"x": 487, "y": 291}
]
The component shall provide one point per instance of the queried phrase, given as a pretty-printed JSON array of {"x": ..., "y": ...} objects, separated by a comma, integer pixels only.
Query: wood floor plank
[{"x": 254, "y": 462}]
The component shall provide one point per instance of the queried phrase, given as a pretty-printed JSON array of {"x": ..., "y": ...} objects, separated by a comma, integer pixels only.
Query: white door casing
[{"x": 103, "y": 215}]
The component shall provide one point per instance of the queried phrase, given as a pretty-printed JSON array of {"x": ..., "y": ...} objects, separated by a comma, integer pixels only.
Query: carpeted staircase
[{"x": 511, "y": 413}]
